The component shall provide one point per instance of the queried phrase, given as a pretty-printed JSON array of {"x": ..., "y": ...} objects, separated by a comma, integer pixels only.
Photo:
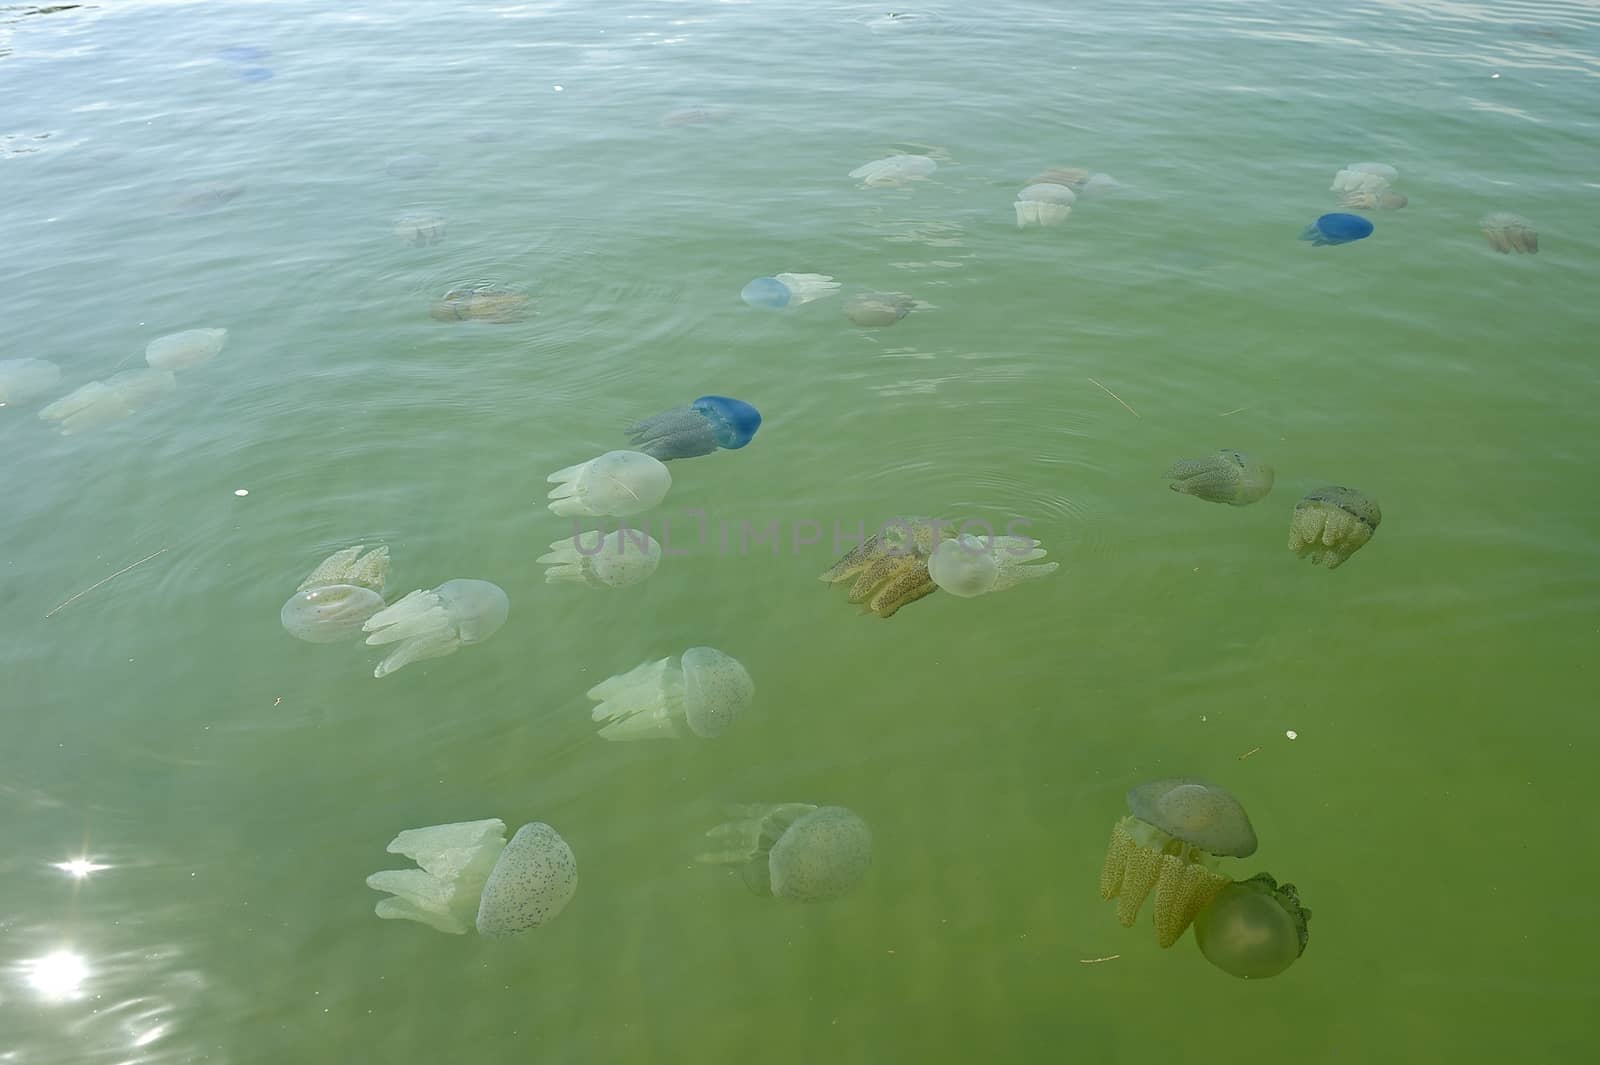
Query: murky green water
[{"x": 238, "y": 786}]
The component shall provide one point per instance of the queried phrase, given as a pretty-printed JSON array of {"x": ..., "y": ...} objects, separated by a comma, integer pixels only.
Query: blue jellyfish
[
  {"x": 700, "y": 428},
  {"x": 767, "y": 293},
  {"x": 1337, "y": 229}
]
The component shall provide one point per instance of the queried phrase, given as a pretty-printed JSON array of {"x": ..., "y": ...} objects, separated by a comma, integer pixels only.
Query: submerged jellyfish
[
  {"x": 179, "y": 351},
  {"x": 480, "y": 303},
  {"x": 329, "y": 613},
  {"x": 768, "y": 293},
  {"x": 873, "y": 309},
  {"x": 470, "y": 876},
  {"x": 1332, "y": 523},
  {"x": 701, "y": 694},
  {"x": 971, "y": 565},
  {"x": 1170, "y": 841},
  {"x": 419, "y": 229},
  {"x": 1364, "y": 177},
  {"x": 894, "y": 170},
  {"x": 1254, "y": 928},
  {"x": 795, "y": 850},
  {"x": 1509, "y": 232},
  {"x": 1337, "y": 229},
  {"x": 615, "y": 484},
  {"x": 23, "y": 378},
  {"x": 432, "y": 624},
  {"x": 1374, "y": 201},
  {"x": 700, "y": 428},
  {"x": 101, "y": 402},
  {"x": 1073, "y": 177},
  {"x": 1044, "y": 203},
  {"x": 625, "y": 557},
  {"x": 1227, "y": 477}
]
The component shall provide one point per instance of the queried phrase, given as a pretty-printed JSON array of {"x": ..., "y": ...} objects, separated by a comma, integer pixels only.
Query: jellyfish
[
  {"x": 970, "y": 566},
  {"x": 1099, "y": 184},
  {"x": 1337, "y": 229},
  {"x": 1509, "y": 232},
  {"x": 894, "y": 170},
  {"x": 1170, "y": 841},
  {"x": 795, "y": 850},
  {"x": 479, "y": 303},
  {"x": 766, "y": 293},
  {"x": 469, "y": 876},
  {"x": 22, "y": 379},
  {"x": 873, "y": 309},
  {"x": 419, "y": 229},
  {"x": 411, "y": 165},
  {"x": 1364, "y": 177},
  {"x": 1374, "y": 201},
  {"x": 617, "y": 484},
  {"x": 180, "y": 351},
  {"x": 350, "y": 566},
  {"x": 1254, "y": 928},
  {"x": 432, "y": 624},
  {"x": 329, "y": 613},
  {"x": 890, "y": 567},
  {"x": 602, "y": 561},
  {"x": 115, "y": 398},
  {"x": 700, "y": 428},
  {"x": 1330, "y": 524},
  {"x": 1073, "y": 177},
  {"x": 701, "y": 694},
  {"x": 1044, "y": 203},
  {"x": 805, "y": 288},
  {"x": 1227, "y": 477}
]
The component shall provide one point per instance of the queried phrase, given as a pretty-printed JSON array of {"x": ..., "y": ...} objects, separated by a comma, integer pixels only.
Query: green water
[{"x": 239, "y": 785}]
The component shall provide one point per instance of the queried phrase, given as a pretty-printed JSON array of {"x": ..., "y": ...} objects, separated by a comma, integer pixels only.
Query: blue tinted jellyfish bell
[
  {"x": 700, "y": 428},
  {"x": 1337, "y": 229},
  {"x": 767, "y": 293},
  {"x": 795, "y": 850},
  {"x": 1254, "y": 928}
]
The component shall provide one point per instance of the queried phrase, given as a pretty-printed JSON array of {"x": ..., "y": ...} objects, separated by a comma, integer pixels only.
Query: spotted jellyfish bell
[
  {"x": 22, "y": 379},
  {"x": 970, "y": 566},
  {"x": 1044, "y": 204},
  {"x": 709, "y": 423},
  {"x": 181, "y": 351},
  {"x": 795, "y": 850},
  {"x": 336, "y": 599},
  {"x": 894, "y": 170},
  {"x": 1337, "y": 228},
  {"x": 701, "y": 694},
  {"x": 102, "y": 402},
  {"x": 438, "y": 622},
  {"x": 1254, "y": 928},
  {"x": 1332, "y": 523},
  {"x": 616, "y": 484},
  {"x": 619, "y": 560},
  {"x": 1226, "y": 477}
]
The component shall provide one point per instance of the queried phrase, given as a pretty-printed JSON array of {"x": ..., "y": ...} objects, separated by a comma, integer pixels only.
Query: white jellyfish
[
  {"x": 432, "y": 624},
  {"x": 1044, "y": 203},
  {"x": 1364, "y": 177},
  {"x": 471, "y": 877},
  {"x": 102, "y": 402},
  {"x": 701, "y": 694},
  {"x": 970, "y": 565},
  {"x": 617, "y": 483},
  {"x": 337, "y": 597},
  {"x": 795, "y": 850},
  {"x": 894, "y": 170},
  {"x": 803, "y": 288},
  {"x": 623, "y": 558},
  {"x": 22, "y": 379},
  {"x": 180, "y": 351}
]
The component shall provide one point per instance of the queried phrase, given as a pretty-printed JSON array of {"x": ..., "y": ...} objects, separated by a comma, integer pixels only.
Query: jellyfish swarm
[
  {"x": 702, "y": 694},
  {"x": 1044, "y": 203},
  {"x": 623, "y": 558},
  {"x": 471, "y": 877},
  {"x": 615, "y": 484},
  {"x": 971, "y": 565},
  {"x": 894, "y": 170},
  {"x": 700, "y": 428},
  {"x": 1229, "y": 476},
  {"x": 22, "y": 379},
  {"x": 1332, "y": 523},
  {"x": 1509, "y": 232},
  {"x": 1170, "y": 842},
  {"x": 1254, "y": 928},
  {"x": 102, "y": 402},
  {"x": 180, "y": 351},
  {"x": 795, "y": 850},
  {"x": 432, "y": 624},
  {"x": 336, "y": 599},
  {"x": 1337, "y": 229}
]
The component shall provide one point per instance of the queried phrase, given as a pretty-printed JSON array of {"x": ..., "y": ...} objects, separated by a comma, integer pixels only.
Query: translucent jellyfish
[
  {"x": 616, "y": 484},
  {"x": 1170, "y": 843},
  {"x": 625, "y": 557},
  {"x": 115, "y": 398},
  {"x": 1044, "y": 204},
  {"x": 701, "y": 694},
  {"x": 875, "y": 309},
  {"x": 1374, "y": 201},
  {"x": 329, "y": 613},
  {"x": 1226, "y": 477},
  {"x": 795, "y": 850},
  {"x": 350, "y": 566},
  {"x": 1509, "y": 232},
  {"x": 1364, "y": 177},
  {"x": 1254, "y": 928},
  {"x": 700, "y": 428},
  {"x": 804, "y": 288},
  {"x": 469, "y": 876},
  {"x": 180, "y": 351},
  {"x": 22, "y": 379},
  {"x": 1337, "y": 229},
  {"x": 767, "y": 293},
  {"x": 432, "y": 624},
  {"x": 971, "y": 565},
  {"x": 480, "y": 303},
  {"x": 419, "y": 229},
  {"x": 894, "y": 170},
  {"x": 1330, "y": 524},
  {"x": 1073, "y": 177}
]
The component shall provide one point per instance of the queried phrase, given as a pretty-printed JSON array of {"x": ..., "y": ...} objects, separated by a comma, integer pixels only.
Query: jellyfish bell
[
  {"x": 1228, "y": 476},
  {"x": 795, "y": 851},
  {"x": 1332, "y": 523},
  {"x": 894, "y": 170},
  {"x": 1170, "y": 841},
  {"x": 329, "y": 613},
  {"x": 532, "y": 881},
  {"x": 616, "y": 484},
  {"x": 706, "y": 424},
  {"x": 619, "y": 559},
  {"x": 22, "y": 379},
  {"x": 1337, "y": 228},
  {"x": 877, "y": 309},
  {"x": 1364, "y": 177},
  {"x": 807, "y": 288},
  {"x": 1507, "y": 232},
  {"x": 733, "y": 421},
  {"x": 1254, "y": 928},
  {"x": 102, "y": 402},
  {"x": 181, "y": 351},
  {"x": 970, "y": 565},
  {"x": 1073, "y": 177},
  {"x": 1044, "y": 203},
  {"x": 1048, "y": 192},
  {"x": 702, "y": 694},
  {"x": 432, "y": 624},
  {"x": 766, "y": 293}
]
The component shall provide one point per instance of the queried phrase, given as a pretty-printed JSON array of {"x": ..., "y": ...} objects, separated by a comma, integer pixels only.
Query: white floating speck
[
  {"x": 1292, "y": 734},
  {"x": 557, "y": 88},
  {"x": 241, "y": 491}
]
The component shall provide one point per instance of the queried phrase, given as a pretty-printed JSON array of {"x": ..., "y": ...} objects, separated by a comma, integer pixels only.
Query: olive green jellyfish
[
  {"x": 701, "y": 694},
  {"x": 180, "y": 351},
  {"x": 874, "y": 309},
  {"x": 1330, "y": 524},
  {"x": 794, "y": 850},
  {"x": 890, "y": 567},
  {"x": 1170, "y": 842},
  {"x": 438, "y": 622},
  {"x": 480, "y": 303},
  {"x": 350, "y": 566},
  {"x": 1509, "y": 232},
  {"x": 1228, "y": 476},
  {"x": 971, "y": 565},
  {"x": 1254, "y": 928},
  {"x": 102, "y": 402}
]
